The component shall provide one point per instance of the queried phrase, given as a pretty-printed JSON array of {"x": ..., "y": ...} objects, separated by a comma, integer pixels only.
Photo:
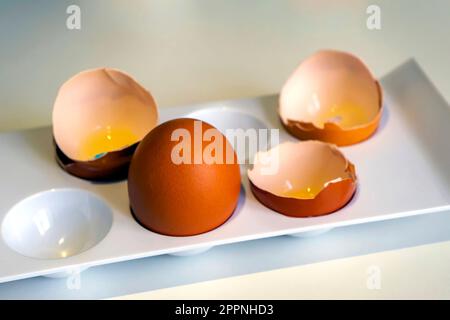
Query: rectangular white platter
[{"x": 403, "y": 170}]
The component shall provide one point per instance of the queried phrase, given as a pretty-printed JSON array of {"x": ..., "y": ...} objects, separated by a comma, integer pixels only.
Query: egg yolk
[
  {"x": 309, "y": 192},
  {"x": 346, "y": 115},
  {"x": 106, "y": 140}
]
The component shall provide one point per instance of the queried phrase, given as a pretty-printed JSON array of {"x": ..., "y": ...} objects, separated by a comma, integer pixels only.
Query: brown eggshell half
[
  {"x": 111, "y": 167},
  {"x": 97, "y": 100},
  {"x": 181, "y": 199},
  {"x": 301, "y": 164},
  {"x": 326, "y": 80}
]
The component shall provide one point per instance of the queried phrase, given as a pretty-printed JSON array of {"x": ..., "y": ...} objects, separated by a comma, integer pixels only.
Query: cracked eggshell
[
  {"x": 333, "y": 97},
  {"x": 99, "y": 117},
  {"x": 184, "y": 198},
  {"x": 312, "y": 178},
  {"x": 111, "y": 167}
]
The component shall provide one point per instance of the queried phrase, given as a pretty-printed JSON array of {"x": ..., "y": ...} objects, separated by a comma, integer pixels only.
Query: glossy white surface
[
  {"x": 224, "y": 119},
  {"x": 250, "y": 257},
  {"x": 192, "y": 252},
  {"x": 403, "y": 170},
  {"x": 310, "y": 234},
  {"x": 69, "y": 272},
  {"x": 56, "y": 224}
]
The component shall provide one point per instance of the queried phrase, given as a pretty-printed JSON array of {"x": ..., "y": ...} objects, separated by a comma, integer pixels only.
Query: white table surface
[
  {"x": 343, "y": 278},
  {"x": 192, "y": 51}
]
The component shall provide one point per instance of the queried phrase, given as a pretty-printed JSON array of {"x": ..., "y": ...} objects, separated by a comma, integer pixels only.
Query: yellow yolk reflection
[
  {"x": 309, "y": 192},
  {"x": 106, "y": 140},
  {"x": 346, "y": 116}
]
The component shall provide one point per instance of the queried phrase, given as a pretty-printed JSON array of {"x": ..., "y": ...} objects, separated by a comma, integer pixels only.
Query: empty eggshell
[
  {"x": 99, "y": 116},
  {"x": 183, "y": 198},
  {"x": 333, "y": 97},
  {"x": 313, "y": 178}
]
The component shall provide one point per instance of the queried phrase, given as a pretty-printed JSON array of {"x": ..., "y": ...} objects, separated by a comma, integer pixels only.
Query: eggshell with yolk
[
  {"x": 101, "y": 103},
  {"x": 333, "y": 97},
  {"x": 313, "y": 178}
]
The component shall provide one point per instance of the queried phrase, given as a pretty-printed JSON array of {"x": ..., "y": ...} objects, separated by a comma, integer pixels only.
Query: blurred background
[{"x": 187, "y": 51}]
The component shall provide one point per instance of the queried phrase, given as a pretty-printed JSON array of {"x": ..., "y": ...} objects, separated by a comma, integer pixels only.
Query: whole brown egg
[{"x": 184, "y": 179}]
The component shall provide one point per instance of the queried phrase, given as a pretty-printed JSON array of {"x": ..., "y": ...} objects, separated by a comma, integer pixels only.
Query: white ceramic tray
[{"x": 403, "y": 170}]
